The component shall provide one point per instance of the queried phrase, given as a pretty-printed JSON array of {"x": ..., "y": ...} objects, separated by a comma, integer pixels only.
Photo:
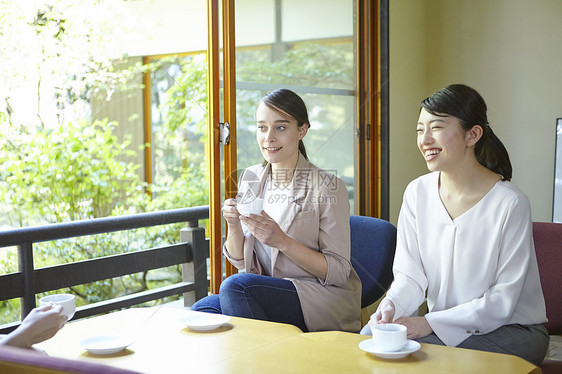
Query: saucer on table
[
  {"x": 369, "y": 346},
  {"x": 201, "y": 321},
  {"x": 105, "y": 344}
]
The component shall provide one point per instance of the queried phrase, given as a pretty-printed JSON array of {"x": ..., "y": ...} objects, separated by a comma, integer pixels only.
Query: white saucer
[
  {"x": 369, "y": 346},
  {"x": 204, "y": 321},
  {"x": 105, "y": 344}
]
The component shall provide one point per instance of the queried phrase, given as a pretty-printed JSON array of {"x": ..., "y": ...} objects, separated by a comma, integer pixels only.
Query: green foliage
[
  {"x": 327, "y": 65},
  {"x": 56, "y": 54},
  {"x": 179, "y": 135},
  {"x": 187, "y": 96},
  {"x": 76, "y": 171}
]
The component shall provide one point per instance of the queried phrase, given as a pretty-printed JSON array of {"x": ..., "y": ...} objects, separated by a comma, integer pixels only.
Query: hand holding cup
[
  {"x": 66, "y": 300},
  {"x": 230, "y": 213}
]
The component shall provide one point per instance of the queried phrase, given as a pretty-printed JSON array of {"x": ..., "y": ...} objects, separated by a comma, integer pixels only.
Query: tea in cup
[
  {"x": 66, "y": 300},
  {"x": 389, "y": 337}
]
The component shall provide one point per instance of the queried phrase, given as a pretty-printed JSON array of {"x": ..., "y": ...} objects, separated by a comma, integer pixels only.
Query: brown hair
[{"x": 289, "y": 103}]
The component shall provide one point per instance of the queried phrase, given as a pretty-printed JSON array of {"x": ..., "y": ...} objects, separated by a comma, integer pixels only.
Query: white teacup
[
  {"x": 66, "y": 300},
  {"x": 389, "y": 337},
  {"x": 252, "y": 207}
]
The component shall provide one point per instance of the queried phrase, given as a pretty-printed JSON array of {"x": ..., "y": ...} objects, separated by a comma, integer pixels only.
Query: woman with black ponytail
[{"x": 465, "y": 237}]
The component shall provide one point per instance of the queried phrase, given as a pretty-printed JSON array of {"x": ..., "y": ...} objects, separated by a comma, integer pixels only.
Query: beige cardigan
[{"x": 316, "y": 215}]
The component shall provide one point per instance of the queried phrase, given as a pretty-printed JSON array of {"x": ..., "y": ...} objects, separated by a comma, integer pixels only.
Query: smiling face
[
  {"x": 444, "y": 145},
  {"x": 278, "y": 136}
]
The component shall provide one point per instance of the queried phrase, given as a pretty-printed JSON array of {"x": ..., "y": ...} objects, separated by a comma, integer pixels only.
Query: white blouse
[
  {"x": 480, "y": 269},
  {"x": 272, "y": 205}
]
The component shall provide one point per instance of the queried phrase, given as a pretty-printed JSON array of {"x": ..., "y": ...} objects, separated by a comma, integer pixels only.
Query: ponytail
[
  {"x": 466, "y": 104},
  {"x": 491, "y": 153},
  {"x": 302, "y": 149}
]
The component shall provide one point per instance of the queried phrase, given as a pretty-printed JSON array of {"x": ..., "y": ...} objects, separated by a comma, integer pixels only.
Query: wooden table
[{"x": 164, "y": 345}]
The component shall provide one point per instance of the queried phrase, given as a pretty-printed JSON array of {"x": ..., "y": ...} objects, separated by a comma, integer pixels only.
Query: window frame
[{"x": 372, "y": 119}]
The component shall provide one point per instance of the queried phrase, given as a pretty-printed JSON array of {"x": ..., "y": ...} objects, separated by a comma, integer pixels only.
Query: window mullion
[
  {"x": 213, "y": 144},
  {"x": 229, "y": 94}
]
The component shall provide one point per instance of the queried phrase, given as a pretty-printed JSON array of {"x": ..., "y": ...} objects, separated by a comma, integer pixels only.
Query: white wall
[{"x": 510, "y": 51}]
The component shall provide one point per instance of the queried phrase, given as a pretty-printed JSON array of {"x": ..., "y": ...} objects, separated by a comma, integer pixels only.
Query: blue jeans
[{"x": 258, "y": 297}]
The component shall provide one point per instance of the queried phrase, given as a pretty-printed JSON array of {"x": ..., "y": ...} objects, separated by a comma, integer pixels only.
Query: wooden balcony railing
[{"x": 191, "y": 253}]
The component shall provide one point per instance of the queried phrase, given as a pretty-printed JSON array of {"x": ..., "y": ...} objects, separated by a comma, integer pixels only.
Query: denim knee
[
  {"x": 209, "y": 304},
  {"x": 235, "y": 282}
]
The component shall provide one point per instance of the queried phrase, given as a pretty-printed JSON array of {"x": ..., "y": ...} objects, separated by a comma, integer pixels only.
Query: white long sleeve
[{"x": 479, "y": 270}]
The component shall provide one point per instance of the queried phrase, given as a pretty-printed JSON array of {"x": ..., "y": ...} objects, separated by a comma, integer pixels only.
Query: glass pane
[
  {"x": 178, "y": 122},
  {"x": 313, "y": 56},
  {"x": 172, "y": 36},
  {"x": 322, "y": 64}
]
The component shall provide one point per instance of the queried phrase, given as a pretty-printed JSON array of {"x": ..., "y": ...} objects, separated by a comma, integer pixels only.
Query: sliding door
[{"x": 327, "y": 51}]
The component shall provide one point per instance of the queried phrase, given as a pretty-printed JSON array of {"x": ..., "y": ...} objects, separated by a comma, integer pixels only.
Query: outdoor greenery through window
[
  {"x": 62, "y": 162},
  {"x": 74, "y": 114}
]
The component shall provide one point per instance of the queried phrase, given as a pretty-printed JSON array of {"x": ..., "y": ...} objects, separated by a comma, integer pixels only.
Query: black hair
[
  {"x": 289, "y": 103},
  {"x": 466, "y": 104}
]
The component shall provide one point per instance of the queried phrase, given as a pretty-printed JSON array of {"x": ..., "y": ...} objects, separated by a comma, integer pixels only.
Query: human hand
[
  {"x": 41, "y": 323},
  {"x": 418, "y": 327},
  {"x": 230, "y": 213},
  {"x": 385, "y": 312},
  {"x": 265, "y": 229}
]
